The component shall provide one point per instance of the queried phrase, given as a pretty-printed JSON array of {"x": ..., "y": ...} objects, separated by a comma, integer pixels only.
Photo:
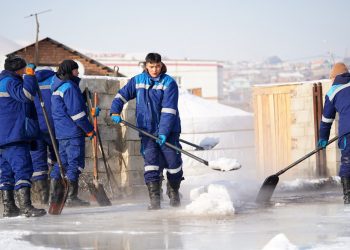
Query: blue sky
[{"x": 197, "y": 29}]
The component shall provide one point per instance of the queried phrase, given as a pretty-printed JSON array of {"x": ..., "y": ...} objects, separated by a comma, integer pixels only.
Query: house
[
  {"x": 52, "y": 53},
  {"x": 203, "y": 78}
]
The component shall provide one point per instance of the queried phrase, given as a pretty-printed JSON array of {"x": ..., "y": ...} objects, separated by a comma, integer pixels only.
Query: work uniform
[
  {"x": 18, "y": 128},
  {"x": 44, "y": 155},
  {"x": 338, "y": 100},
  {"x": 156, "y": 113},
  {"x": 69, "y": 113}
]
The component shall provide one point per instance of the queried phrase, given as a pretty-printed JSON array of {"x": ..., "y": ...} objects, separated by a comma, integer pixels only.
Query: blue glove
[
  {"x": 95, "y": 111},
  {"x": 116, "y": 118},
  {"x": 322, "y": 143},
  {"x": 161, "y": 140}
]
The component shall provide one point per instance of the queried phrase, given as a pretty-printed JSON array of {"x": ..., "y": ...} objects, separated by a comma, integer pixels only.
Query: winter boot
[
  {"x": 173, "y": 193},
  {"x": 346, "y": 189},
  {"x": 25, "y": 203},
  {"x": 154, "y": 195},
  {"x": 56, "y": 191},
  {"x": 72, "y": 198},
  {"x": 161, "y": 188},
  {"x": 40, "y": 190},
  {"x": 10, "y": 208}
]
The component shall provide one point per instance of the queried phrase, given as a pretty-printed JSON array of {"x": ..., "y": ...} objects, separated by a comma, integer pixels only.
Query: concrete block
[
  {"x": 95, "y": 85},
  {"x": 136, "y": 163},
  {"x": 105, "y": 101}
]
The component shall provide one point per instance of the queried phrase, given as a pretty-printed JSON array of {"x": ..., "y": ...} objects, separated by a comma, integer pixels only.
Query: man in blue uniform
[
  {"x": 157, "y": 112},
  {"x": 43, "y": 157},
  {"x": 338, "y": 100},
  {"x": 69, "y": 113},
  {"x": 18, "y": 128}
]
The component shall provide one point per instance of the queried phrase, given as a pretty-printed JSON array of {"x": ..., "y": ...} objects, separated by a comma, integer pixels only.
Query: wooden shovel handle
[{"x": 95, "y": 140}]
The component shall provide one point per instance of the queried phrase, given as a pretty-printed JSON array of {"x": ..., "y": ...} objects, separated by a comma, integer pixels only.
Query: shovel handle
[
  {"x": 166, "y": 143},
  {"x": 192, "y": 144},
  {"x": 307, "y": 156}
]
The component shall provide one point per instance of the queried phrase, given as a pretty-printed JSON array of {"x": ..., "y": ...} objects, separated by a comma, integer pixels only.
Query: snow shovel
[
  {"x": 96, "y": 189},
  {"x": 270, "y": 183},
  {"x": 55, "y": 208},
  {"x": 106, "y": 165},
  {"x": 176, "y": 148},
  {"x": 192, "y": 144}
]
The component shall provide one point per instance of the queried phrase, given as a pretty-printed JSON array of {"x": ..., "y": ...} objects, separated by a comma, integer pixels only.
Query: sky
[{"x": 199, "y": 29}]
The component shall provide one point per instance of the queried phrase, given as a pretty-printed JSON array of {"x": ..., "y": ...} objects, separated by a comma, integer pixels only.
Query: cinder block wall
[
  {"x": 121, "y": 144},
  {"x": 303, "y": 135}
]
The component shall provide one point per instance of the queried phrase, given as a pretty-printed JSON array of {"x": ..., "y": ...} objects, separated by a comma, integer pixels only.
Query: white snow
[
  {"x": 209, "y": 142},
  {"x": 279, "y": 242},
  {"x": 211, "y": 200},
  {"x": 225, "y": 164},
  {"x": 309, "y": 184}
]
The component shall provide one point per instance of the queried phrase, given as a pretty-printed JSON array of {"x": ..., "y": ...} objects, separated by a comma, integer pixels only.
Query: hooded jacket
[
  {"x": 337, "y": 100},
  {"x": 19, "y": 122},
  {"x": 69, "y": 111},
  {"x": 44, "y": 78},
  {"x": 156, "y": 103}
]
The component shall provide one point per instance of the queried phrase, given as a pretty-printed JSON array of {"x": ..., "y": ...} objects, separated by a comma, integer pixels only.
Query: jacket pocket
[{"x": 31, "y": 128}]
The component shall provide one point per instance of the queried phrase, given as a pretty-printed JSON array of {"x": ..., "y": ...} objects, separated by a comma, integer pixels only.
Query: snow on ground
[
  {"x": 214, "y": 199},
  {"x": 279, "y": 242},
  {"x": 11, "y": 240}
]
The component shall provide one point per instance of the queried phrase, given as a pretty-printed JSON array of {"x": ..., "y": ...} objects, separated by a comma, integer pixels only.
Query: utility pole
[{"x": 36, "y": 53}]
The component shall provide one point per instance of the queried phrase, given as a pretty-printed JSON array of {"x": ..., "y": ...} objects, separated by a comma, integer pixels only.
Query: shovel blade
[
  {"x": 267, "y": 189},
  {"x": 98, "y": 193},
  {"x": 56, "y": 207}
]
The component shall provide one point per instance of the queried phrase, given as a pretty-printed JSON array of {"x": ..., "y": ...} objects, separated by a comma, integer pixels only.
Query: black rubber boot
[
  {"x": 72, "y": 198},
  {"x": 154, "y": 195},
  {"x": 40, "y": 189},
  {"x": 56, "y": 191},
  {"x": 345, "y": 181},
  {"x": 10, "y": 208},
  {"x": 25, "y": 204},
  {"x": 173, "y": 193}
]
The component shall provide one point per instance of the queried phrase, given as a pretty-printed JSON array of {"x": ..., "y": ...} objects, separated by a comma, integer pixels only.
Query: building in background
[
  {"x": 52, "y": 53},
  {"x": 201, "y": 77}
]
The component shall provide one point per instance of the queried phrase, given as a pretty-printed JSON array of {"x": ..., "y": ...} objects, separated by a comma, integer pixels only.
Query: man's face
[
  {"x": 154, "y": 69},
  {"x": 75, "y": 72}
]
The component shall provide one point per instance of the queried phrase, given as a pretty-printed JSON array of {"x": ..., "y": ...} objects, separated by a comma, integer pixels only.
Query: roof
[{"x": 73, "y": 51}]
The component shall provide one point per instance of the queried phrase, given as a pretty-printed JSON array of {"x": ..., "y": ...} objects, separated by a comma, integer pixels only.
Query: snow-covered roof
[{"x": 199, "y": 115}]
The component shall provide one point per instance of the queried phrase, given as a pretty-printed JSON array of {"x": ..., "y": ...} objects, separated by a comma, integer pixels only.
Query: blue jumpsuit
[
  {"x": 157, "y": 113},
  {"x": 18, "y": 128},
  {"x": 338, "y": 100},
  {"x": 69, "y": 113},
  {"x": 44, "y": 155}
]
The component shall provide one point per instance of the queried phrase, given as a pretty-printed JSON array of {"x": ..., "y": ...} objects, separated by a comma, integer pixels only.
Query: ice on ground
[
  {"x": 211, "y": 200},
  {"x": 280, "y": 242},
  {"x": 209, "y": 142},
  {"x": 11, "y": 240},
  {"x": 225, "y": 164}
]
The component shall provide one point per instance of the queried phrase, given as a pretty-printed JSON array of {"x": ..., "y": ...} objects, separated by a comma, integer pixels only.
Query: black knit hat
[
  {"x": 14, "y": 63},
  {"x": 65, "y": 69}
]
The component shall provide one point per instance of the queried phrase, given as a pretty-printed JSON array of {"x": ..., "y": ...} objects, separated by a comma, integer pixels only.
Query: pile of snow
[
  {"x": 225, "y": 164},
  {"x": 279, "y": 242},
  {"x": 211, "y": 200}
]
